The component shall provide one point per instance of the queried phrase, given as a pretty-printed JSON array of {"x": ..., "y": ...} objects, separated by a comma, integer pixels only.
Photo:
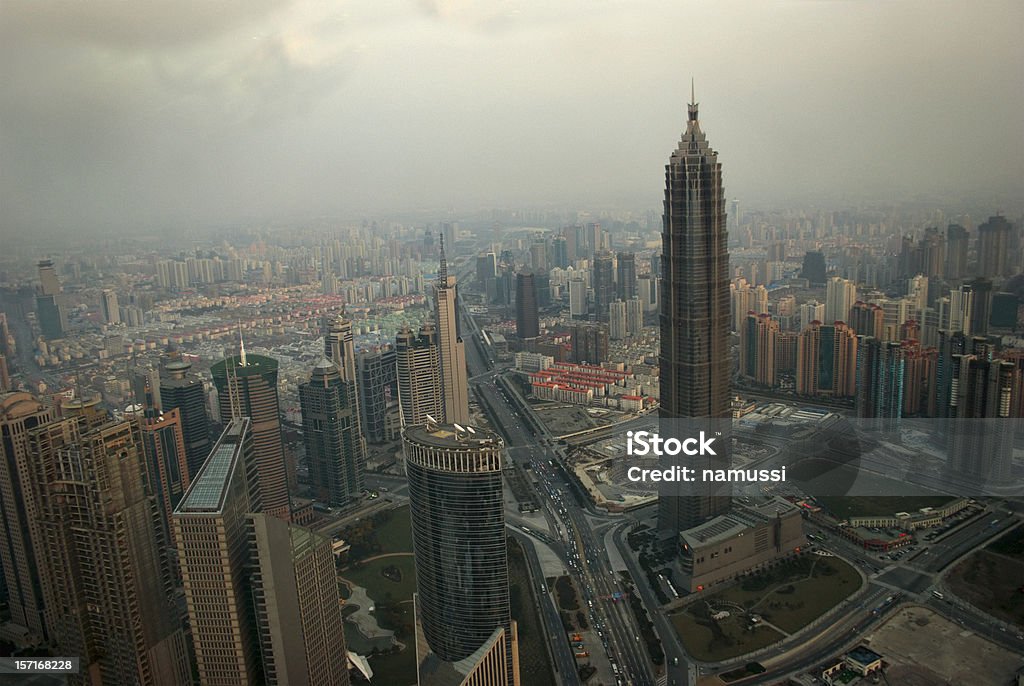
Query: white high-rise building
[{"x": 840, "y": 295}]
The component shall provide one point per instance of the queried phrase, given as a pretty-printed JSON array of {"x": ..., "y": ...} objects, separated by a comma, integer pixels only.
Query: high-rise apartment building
[
  {"x": 50, "y": 309},
  {"x": 996, "y": 241},
  {"x": 464, "y": 621},
  {"x": 625, "y": 283},
  {"x": 183, "y": 390},
  {"x": 757, "y": 348},
  {"x": 866, "y": 319},
  {"x": 603, "y": 282},
  {"x": 826, "y": 361},
  {"x": 881, "y": 370},
  {"x": 695, "y": 364},
  {"x": 105, "y": 600},
  {"x": 589, "y": 343},
  {"x": 647, "y": 290},
  {"x": 957, "y": 239},
  {"x": 617, "y": 320},
  {"x": 840, "y": 295},
  {"x": 811, "y": 311},
  {"x": 577, "y": 298},
  {"x": 527, "y": 317},
  {"x": 247, "y": 387},
  {"x": 418, "y": 375},
  {"x": 330, "y": 431},
  {"x": 23, "y": 572},
  {"x": 111, "y": 310},
  {"x": 451, "y": 349}
]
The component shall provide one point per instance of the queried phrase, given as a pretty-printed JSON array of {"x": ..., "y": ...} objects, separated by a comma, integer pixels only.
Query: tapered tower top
[{"x": 692, "y": 107}]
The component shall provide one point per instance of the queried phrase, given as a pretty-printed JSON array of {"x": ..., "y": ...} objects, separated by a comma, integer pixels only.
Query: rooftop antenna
[
  {"x": 241, "y": 346},
  {"x": 692, "y": 108}
]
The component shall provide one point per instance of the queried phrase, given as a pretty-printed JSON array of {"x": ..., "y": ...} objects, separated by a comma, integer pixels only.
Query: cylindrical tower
[{"x": 458, "y": 526}]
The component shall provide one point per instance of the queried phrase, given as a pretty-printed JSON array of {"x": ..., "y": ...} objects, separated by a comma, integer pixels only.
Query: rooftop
[{"x": 450, "y": 436}]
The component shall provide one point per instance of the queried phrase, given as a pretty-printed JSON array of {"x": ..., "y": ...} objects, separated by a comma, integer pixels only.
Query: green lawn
[
  {"x": 708, "y": 645},
  {"x": 370, "y": 576},
  {"x": 393, "y": 610},
  {"x": 789, "y": 596},
  {"x": 843, "y": 507},
  {"x": 395, "y": 535}
]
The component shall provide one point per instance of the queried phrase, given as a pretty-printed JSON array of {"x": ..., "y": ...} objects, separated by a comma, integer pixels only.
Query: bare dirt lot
[{"x": 931, "y": 651}]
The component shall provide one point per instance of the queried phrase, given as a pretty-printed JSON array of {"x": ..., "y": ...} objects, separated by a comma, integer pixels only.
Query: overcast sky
[{"x": 120, "y": 115}]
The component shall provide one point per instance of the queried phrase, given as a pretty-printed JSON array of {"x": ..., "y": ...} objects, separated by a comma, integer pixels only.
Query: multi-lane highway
[{"x": 585, "y": 558}]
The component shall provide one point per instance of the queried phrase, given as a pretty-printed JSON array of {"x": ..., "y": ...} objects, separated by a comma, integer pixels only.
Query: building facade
[
  {"x": 695, "y": 364},
  {"x": 458, "y": 527}
]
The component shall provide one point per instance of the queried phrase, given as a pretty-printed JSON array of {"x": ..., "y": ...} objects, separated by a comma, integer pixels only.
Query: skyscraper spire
[
  {"x": 241, "y": 346},
  {"x": 692, "y": 107},
  {"x": 442, "y": 272}
]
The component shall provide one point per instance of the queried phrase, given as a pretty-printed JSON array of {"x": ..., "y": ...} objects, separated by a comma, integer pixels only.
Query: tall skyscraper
[
  {"x": 107, "y": 604},
  {"x": 451, "y": 349},
  {"x": 247, "y": 387},
  {"x": 23, "y": 572},
  {"x": 527, "y": 318},
  {"x": 625, "y": 283},
  {"x": 378, "y": 392},
  {"x": 577, "y": 298},
  {"x": 603, "y": 283},
  {"x": 814, "y": 268},
  {"x": 647, "y": 289},
  {"x": 757, "y": 348},
  {"x": 210, "y": 527},
  {"x": 617, "y": 320},
  {"x": 881, "y": 370},
  {"x": 811, "y": 311},
  {"x": 330, "y": 431},
  {"x": 163, "y": 445},
  {"x": 956, "y": 251},
  {"x": 297, "y": 604},
  {"x": 464, "y": 621},
  {"x": 980, "y": 435},
  {"x": 695, "y": 365},
  {"x": 340, "y": 349},
  {"x": 50, "y": 310},
  {"x": 418, "y": 375},
  {"x": 183, "y": 390},
  {"x": 996, "y": 238}
]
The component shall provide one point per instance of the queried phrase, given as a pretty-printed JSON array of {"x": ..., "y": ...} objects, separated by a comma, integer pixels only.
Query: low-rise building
[{"x": 747, "y": 538}]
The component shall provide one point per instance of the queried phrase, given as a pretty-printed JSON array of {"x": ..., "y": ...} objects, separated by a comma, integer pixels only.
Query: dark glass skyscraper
[
  {"x": 695, "y": 321},
  {"x": 603, "y": 283},
  {"x": 458, "y": 529},
  {"x": 330, "y": 431},
  {"x": 182, "y": 390},
  {"x": 527, "y": 318}
]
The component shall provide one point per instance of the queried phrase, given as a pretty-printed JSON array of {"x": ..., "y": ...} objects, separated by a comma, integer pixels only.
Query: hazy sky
[{"x": 153, "y": 113}]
